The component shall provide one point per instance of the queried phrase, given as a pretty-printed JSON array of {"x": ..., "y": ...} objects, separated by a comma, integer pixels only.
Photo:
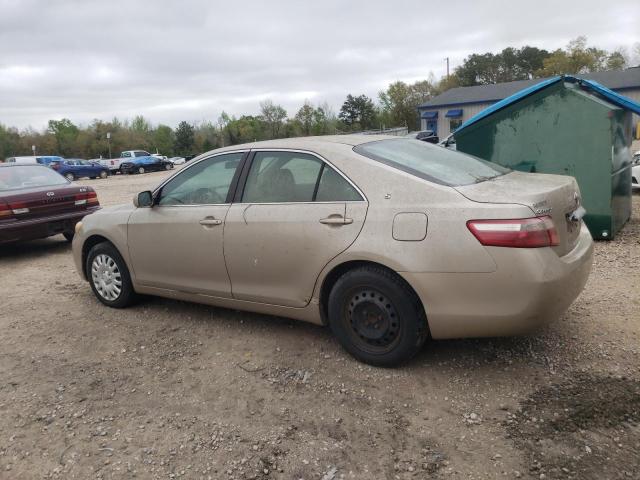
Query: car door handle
[
  {"x": 210, "y": 222},
  {"x": 336, "y": 220}
]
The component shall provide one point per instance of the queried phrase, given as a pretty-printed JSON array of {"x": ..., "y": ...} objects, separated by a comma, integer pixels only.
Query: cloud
[{"x": 192, "y": 59}]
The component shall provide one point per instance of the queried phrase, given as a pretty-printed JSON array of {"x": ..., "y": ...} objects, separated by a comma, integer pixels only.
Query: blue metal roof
[{"x": 590, "y": 85}]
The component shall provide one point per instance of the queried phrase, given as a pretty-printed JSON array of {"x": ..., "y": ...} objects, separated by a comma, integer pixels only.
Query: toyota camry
[{"x": 388, "y": 241}]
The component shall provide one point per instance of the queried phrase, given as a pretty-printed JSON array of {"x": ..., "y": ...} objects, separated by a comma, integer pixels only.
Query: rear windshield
[
  {"x": 431, "y": 162},
  {"x": 15, "y": 178}
]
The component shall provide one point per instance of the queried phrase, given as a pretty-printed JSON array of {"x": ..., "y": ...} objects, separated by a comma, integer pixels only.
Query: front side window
[
  {"x": 205, "y": 183},
  {"x": 431, "y": 162},
  {"x": 287, "y": 177}
]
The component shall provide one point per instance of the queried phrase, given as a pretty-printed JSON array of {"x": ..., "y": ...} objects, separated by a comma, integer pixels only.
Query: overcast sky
[{"x": 190, "y": 60}]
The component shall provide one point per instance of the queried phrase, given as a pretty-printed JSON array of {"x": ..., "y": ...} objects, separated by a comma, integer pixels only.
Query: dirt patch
[{"x": 585, "y": 427}]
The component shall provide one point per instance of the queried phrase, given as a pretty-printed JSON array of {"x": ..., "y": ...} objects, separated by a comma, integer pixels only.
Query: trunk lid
[
  {"x": 30, "y": 203},
  {"x": 556, "y": 196}
]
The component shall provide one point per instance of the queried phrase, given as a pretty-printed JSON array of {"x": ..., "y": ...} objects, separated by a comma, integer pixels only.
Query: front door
[
  {"x": 178, "y": 243},
  {"x": 295, "y": 215},
  {"x": 433, "y": 126}
]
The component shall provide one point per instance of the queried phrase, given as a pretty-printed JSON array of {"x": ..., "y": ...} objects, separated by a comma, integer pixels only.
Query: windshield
[
  {"x": 431, "y": 162},
  {"x": 15, "y": 178}
]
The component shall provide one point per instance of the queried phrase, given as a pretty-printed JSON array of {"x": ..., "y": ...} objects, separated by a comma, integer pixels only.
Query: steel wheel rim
[
  {"x": 106, "y": 277},
  {"x": 372, "y": 320}
]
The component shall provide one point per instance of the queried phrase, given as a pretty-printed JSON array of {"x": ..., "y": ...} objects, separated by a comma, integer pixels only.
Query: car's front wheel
[
  {"x": 140, "y": 169},
  {"x": 376, "y": 316},
  {"x": 167, "y": 166},
  {"x": 109, "y": 276},
  {"x": 104, "y": 174}
]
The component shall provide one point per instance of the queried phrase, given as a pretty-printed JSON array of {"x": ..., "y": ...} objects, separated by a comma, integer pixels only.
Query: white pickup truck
[{"x": 113, "y": 164}]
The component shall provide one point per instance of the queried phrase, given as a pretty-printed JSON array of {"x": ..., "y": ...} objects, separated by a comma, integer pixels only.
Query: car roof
[
  {"x": 15, "y": 164},
  {"x": 306, "y": 143}
]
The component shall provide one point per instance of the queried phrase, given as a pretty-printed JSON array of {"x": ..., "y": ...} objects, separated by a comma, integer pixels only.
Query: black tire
[
  {"x": 141, "y": 170},
  {"x": 127, "y": 295},
  {"x": 92, "y": 178},
  {"x": 376, "y": 316},
  {"x": 104, "y": 174},
  {"x": 68, "y": 236},
  {"x": 70, "y": 176}
]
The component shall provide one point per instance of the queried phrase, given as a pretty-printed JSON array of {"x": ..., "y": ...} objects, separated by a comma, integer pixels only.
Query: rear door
[{"x": 290, "y": 220}]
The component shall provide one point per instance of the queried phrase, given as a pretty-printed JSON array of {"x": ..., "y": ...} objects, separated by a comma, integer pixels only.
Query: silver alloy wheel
[
  {"x": 103, "y": 174},
  {"x": 70, "y": 177},
  {"x": 141, "y": 170},
  {"x": 106, "y": 277}
]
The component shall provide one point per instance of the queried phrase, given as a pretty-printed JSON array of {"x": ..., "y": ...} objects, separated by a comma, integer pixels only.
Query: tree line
[{"x": 395, "y": 106}]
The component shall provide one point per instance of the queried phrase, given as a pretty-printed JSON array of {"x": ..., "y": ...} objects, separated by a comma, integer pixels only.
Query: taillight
[
  {"x": 5, "y": 211},
  {"x": 88, "y": 198},
  {"x": 18, "y": 208},
  {"x": 517, "y": 233}
]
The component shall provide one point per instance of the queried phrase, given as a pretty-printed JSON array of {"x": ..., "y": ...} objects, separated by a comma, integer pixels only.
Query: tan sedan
[{"x": 386, "y": 240}]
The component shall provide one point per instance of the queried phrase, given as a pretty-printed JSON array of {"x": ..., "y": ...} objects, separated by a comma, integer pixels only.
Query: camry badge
[{"x": 50, "y": 194}]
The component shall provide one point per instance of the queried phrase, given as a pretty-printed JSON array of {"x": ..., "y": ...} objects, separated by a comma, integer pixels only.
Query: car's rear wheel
[
  {"x": 70, "y": 176},
  {"x": 140, "y": 169},
  {"x": 376, "y": 316},
  {"x": 109, "y": 276},
  {"x": 103, "y": 174}
]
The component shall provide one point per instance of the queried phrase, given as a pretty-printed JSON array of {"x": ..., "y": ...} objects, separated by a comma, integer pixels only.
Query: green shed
[{"x": 567, "y": 126}]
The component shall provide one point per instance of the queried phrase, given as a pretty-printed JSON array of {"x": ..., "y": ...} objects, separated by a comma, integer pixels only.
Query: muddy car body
[{"x": 387, "y": 240}]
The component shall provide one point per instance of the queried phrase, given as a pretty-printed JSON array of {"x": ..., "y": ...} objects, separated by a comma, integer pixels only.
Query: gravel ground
[{"x": 168, "y": 389}]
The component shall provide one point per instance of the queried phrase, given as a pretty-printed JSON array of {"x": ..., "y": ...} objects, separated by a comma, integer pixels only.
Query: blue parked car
[
  {"x": 145, "y": 164},
  {"x": 72, "y": 168}
]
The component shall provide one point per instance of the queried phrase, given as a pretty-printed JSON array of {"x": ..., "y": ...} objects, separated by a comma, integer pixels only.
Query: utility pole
[
  {"x": 447, "y": 67},
  {"x": 109, "y": 143}
]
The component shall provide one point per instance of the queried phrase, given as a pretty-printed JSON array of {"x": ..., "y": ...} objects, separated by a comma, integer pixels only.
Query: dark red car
[{"x": 37, "y": 202}]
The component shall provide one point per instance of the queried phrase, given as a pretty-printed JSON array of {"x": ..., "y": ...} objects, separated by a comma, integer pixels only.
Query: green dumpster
[{"x": 566, "y": 126}]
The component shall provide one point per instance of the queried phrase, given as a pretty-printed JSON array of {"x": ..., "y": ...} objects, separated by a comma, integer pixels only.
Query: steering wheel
[{"x": 204, "y": 196}]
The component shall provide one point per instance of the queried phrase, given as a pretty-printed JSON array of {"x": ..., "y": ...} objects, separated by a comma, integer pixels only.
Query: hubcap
[
  {"x": 106, "y": 277},
  {"x": 373, "y": 319}
]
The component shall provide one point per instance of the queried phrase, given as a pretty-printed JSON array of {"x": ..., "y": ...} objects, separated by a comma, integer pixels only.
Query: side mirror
[{"x": 143, "y": 199}]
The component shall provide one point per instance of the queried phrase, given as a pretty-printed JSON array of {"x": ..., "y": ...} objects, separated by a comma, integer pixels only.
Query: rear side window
[
  {"x": 431, "y": 162},
  {"x": 15, "y": 178},
  {"x": 333, "y": 187},
  {"x": 288, "y": 177},
  {"x": 277, "y": 177}
]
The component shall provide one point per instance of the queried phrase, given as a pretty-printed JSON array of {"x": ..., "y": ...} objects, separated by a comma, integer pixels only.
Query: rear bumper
[
  {"x": 41, "y": 227},
  {"x": 531, "y": 287}
]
